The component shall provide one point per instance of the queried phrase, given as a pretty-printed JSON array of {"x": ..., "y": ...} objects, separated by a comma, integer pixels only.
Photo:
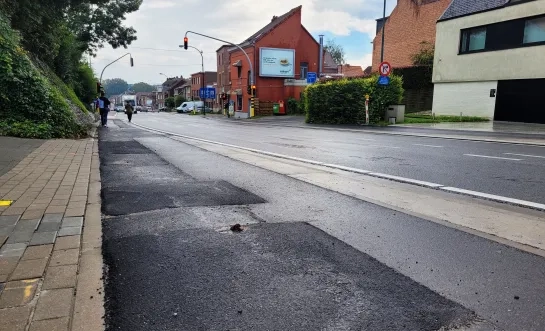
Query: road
[
  {"x": 513, "y": 171},
  {"x": 308, "y": 258}
]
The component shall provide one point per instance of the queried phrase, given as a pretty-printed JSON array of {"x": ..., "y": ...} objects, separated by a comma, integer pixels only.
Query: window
[
  {"x": 534, "y": 30},
  {"x": 473, "y": 39},
  {"x": 239, "y": 72},
  {"x": 239, "y": 102},
  {"x": 304, "y": 70}
]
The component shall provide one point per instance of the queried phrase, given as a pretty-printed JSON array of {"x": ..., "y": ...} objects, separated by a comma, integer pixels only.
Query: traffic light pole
[
  {"x": 252, "y": 78},
  {"x": 203, "y": 75},
  {"x": 132, "y": 64}
]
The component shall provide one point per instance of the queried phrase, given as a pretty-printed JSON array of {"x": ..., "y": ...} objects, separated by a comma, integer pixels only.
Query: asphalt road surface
[
  {"x": 173, "y": 264},
  {"x": 514, "y": 171}
]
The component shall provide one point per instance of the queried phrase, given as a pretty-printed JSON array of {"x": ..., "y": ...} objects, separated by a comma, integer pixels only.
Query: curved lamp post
[
  {"x": 132, "y": 64},
  {"x": 203, "y": 75}
]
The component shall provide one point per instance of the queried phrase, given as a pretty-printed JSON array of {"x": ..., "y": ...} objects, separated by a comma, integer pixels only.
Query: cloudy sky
[{"x": 161, "y": 25}]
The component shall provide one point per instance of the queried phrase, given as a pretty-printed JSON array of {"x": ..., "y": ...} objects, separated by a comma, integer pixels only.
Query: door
[{"x": 520, "y": 100}]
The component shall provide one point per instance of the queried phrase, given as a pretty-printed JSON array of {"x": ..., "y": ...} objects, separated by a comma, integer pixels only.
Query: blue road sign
[
  {"x": 207, "y": 93},
  {"x": 384, "y": 80},
  {"x": 311, "y": 77}
]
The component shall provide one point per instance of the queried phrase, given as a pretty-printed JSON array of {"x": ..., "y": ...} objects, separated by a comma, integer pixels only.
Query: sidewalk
[{"x": 50, "y": 239}]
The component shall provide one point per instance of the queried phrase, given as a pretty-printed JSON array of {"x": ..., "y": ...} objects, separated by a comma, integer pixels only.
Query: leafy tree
[
  {"x": 170, "y": 102},
  {"x": 179, "y": 100},
  {"x": 336, "y": 51},
  {"x": 115, "y": 86},
  {"x": 143, "y": 87},
  {"x": 85, "y": 84},
  {"x": 424, "y": 57}
]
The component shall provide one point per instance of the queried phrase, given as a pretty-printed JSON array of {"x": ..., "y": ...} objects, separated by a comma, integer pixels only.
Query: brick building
[
  {"x": 282, "y": 53},
  {"x": 224, "y": 68},
  {"x": 210, "y": 78},
  {"x": 406, "y": 28}
]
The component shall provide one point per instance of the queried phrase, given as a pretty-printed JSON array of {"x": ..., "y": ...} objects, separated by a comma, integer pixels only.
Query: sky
[{"x": 161, "y": 25}]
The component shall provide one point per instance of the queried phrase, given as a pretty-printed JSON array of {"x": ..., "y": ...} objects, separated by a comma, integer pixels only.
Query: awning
[
  {"x": 237, "y": 92},
  {"x": 238, "y": 63}
]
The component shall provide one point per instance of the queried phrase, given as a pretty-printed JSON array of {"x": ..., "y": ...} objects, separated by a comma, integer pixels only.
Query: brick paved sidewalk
[{"x": 50, "y": 240}]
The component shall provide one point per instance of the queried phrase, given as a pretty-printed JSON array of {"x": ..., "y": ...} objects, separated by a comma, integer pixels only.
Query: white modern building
[{"x": 490, "y": 60}]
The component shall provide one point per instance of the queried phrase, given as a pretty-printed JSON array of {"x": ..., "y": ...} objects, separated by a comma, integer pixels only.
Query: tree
[
  {"x": 336, "y": 51},
  {"x": 115, "y": 86},
  {"x": 424, "y": 57},
  {"x": 179, "y": 100},
  {"x": 170, "y": 102},
  {"x": 142, "y": 87}
]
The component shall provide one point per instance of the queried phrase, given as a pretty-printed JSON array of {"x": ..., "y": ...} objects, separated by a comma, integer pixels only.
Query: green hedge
[
  {"x": 343, "y": 101},
  {"x": 30, "y": 105}
]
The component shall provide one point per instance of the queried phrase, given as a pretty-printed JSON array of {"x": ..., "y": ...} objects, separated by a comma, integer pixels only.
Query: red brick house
[
  {"x": 406, "y": 28},
  {"x": 224, "y": 69},
  {"x": 271, "y": 51},
  {"x": 210, "y": 78}
]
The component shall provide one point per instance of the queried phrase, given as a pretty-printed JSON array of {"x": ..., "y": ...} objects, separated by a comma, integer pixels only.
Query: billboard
[{"x": 276, "y": 62}]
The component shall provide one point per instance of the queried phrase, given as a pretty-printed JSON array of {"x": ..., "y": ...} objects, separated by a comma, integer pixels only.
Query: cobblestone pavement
[{"x": 50, "y": 239}]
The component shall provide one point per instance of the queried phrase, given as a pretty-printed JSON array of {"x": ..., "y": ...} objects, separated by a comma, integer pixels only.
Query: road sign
[
  {"x": 384, "y": 80},
  {"x": 311, "y": 77},
  {"x": 207, "y": 93},
  {"x": 385, "y": 69}
]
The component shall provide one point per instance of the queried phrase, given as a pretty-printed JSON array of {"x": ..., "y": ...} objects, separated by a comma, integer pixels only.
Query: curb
[{"x": 441, "y": 187}]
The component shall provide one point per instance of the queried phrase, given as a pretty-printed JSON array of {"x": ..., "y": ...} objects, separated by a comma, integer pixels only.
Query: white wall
[
  {"x": 469, "y": 98},
  {"x": 519, "y": 63}
]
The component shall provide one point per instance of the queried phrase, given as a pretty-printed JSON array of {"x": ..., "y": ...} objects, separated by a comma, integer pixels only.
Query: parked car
[
  {"x": 206, "y": 109},
  {"x": 120, "y": 109}
]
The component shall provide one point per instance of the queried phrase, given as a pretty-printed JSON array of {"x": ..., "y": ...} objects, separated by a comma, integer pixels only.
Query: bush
[
  {"x": 343, "y": 101},
  {"x": 170, "y": 102},
  {"x": 30, "y": 104},
  {"x": 295, "y": 107},
  {"x": 179, "y": 100}
]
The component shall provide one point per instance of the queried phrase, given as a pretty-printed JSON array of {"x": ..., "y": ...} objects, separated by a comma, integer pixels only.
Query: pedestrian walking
[
  {"x": 226, "y": 107},
  {"x": 104, "y": 108},
  {"x": 128, "y": 110}
]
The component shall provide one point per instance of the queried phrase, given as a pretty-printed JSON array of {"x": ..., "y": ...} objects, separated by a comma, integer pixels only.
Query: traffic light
[
  {"x": 253, "y": 90},
  {"x": 99, "y": 87},
  {"x": 185, "y": 42},
  {"x": 249, "y": 89},
  {"x": 132, "y": 62}
]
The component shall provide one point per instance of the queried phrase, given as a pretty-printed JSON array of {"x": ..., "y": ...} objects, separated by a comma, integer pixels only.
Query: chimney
[
  {"x": 321, "y": 57},
  {"x": 274, "y": 18}
]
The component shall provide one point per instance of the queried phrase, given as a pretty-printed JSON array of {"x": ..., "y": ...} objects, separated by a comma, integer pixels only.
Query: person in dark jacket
[
  {"x": 128, "y": 110},
  {"x": 104, "y": 108}
]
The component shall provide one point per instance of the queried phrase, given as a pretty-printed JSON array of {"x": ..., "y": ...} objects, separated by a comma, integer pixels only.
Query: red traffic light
[{"x": 185, "y": 42}]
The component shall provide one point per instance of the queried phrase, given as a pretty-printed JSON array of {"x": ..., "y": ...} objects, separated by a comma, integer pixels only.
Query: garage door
[{"x": 521, "y": 100}]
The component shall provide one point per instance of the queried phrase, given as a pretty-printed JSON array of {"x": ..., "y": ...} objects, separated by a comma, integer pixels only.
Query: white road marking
[
  {"x": 475, "y": 194},
  {"x": 527, "y": 155},
  {"x": 494, "y": 157},
  {"x": 433, "y": 146}
]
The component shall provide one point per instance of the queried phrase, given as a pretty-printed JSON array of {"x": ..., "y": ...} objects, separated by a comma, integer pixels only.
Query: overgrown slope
[{"x": 34, "y": 102}]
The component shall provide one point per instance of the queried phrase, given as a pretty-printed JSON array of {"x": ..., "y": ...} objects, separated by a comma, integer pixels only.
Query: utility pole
[
  {"x": 202, "y": 69},
  {"x": 383, "y": 28},
  {"x": 252, "y": 78}
]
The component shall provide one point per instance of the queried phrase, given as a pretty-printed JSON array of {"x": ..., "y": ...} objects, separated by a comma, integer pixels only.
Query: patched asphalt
[{"x": 172, "y": 263}]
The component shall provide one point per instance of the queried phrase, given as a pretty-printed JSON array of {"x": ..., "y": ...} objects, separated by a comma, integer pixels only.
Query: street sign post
[
  {"x": 384, "y": 80},
  {"x": 385, "y": 69},
  {"x": 207, "y": 93},
  {"x": 367, "y": 109},
  {"x": 311, "y": 77}
]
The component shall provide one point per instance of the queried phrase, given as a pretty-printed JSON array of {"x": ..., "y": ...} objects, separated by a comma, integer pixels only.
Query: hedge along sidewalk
[{"x": 50, "y": 238}]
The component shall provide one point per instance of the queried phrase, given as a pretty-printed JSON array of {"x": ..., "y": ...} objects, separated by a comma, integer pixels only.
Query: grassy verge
[{"x": 414, "y": 118}]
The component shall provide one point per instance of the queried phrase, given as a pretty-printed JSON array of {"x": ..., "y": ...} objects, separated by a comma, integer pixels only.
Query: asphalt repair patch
[
  {"x": 269, "y": 277},
  {"x": 135, "y": 179}
]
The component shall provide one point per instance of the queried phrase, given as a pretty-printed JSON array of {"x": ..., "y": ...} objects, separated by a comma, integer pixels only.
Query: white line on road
[
  {"x": 481, "y": 195},
  {"x": 526, "y": 155},
  {"x": 494, "y": 157},
  {"x": 433, "y": 146}
]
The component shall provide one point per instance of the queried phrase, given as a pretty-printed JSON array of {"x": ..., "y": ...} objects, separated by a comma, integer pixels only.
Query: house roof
[
  {"x": 352, "y": 71},
  {"x": 276, "y": 21},
  {"x": 223, "y": 46},
  {"x": 459, "y": 8},
  {"x": 329, "y": 62}
]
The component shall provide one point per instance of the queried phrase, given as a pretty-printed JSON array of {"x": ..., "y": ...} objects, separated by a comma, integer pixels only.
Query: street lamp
[
  {"x": 202, "y": 69},
  {"x": 163, "y": 92},
  {"x": 163, "y": 75}
]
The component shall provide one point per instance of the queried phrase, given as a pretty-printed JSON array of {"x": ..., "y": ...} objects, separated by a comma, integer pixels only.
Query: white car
[{"x": 189, "y": 106}]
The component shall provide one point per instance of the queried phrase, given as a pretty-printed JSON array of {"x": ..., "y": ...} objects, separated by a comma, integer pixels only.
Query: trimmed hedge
[{"x": 343, "y": 101}]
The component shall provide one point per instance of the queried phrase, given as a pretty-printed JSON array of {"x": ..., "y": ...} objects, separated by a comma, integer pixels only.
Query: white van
[{"x": 189, "y": 106}]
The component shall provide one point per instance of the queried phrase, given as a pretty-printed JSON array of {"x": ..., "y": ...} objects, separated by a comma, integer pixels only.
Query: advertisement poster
[{"x": 276, "y": 62}]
